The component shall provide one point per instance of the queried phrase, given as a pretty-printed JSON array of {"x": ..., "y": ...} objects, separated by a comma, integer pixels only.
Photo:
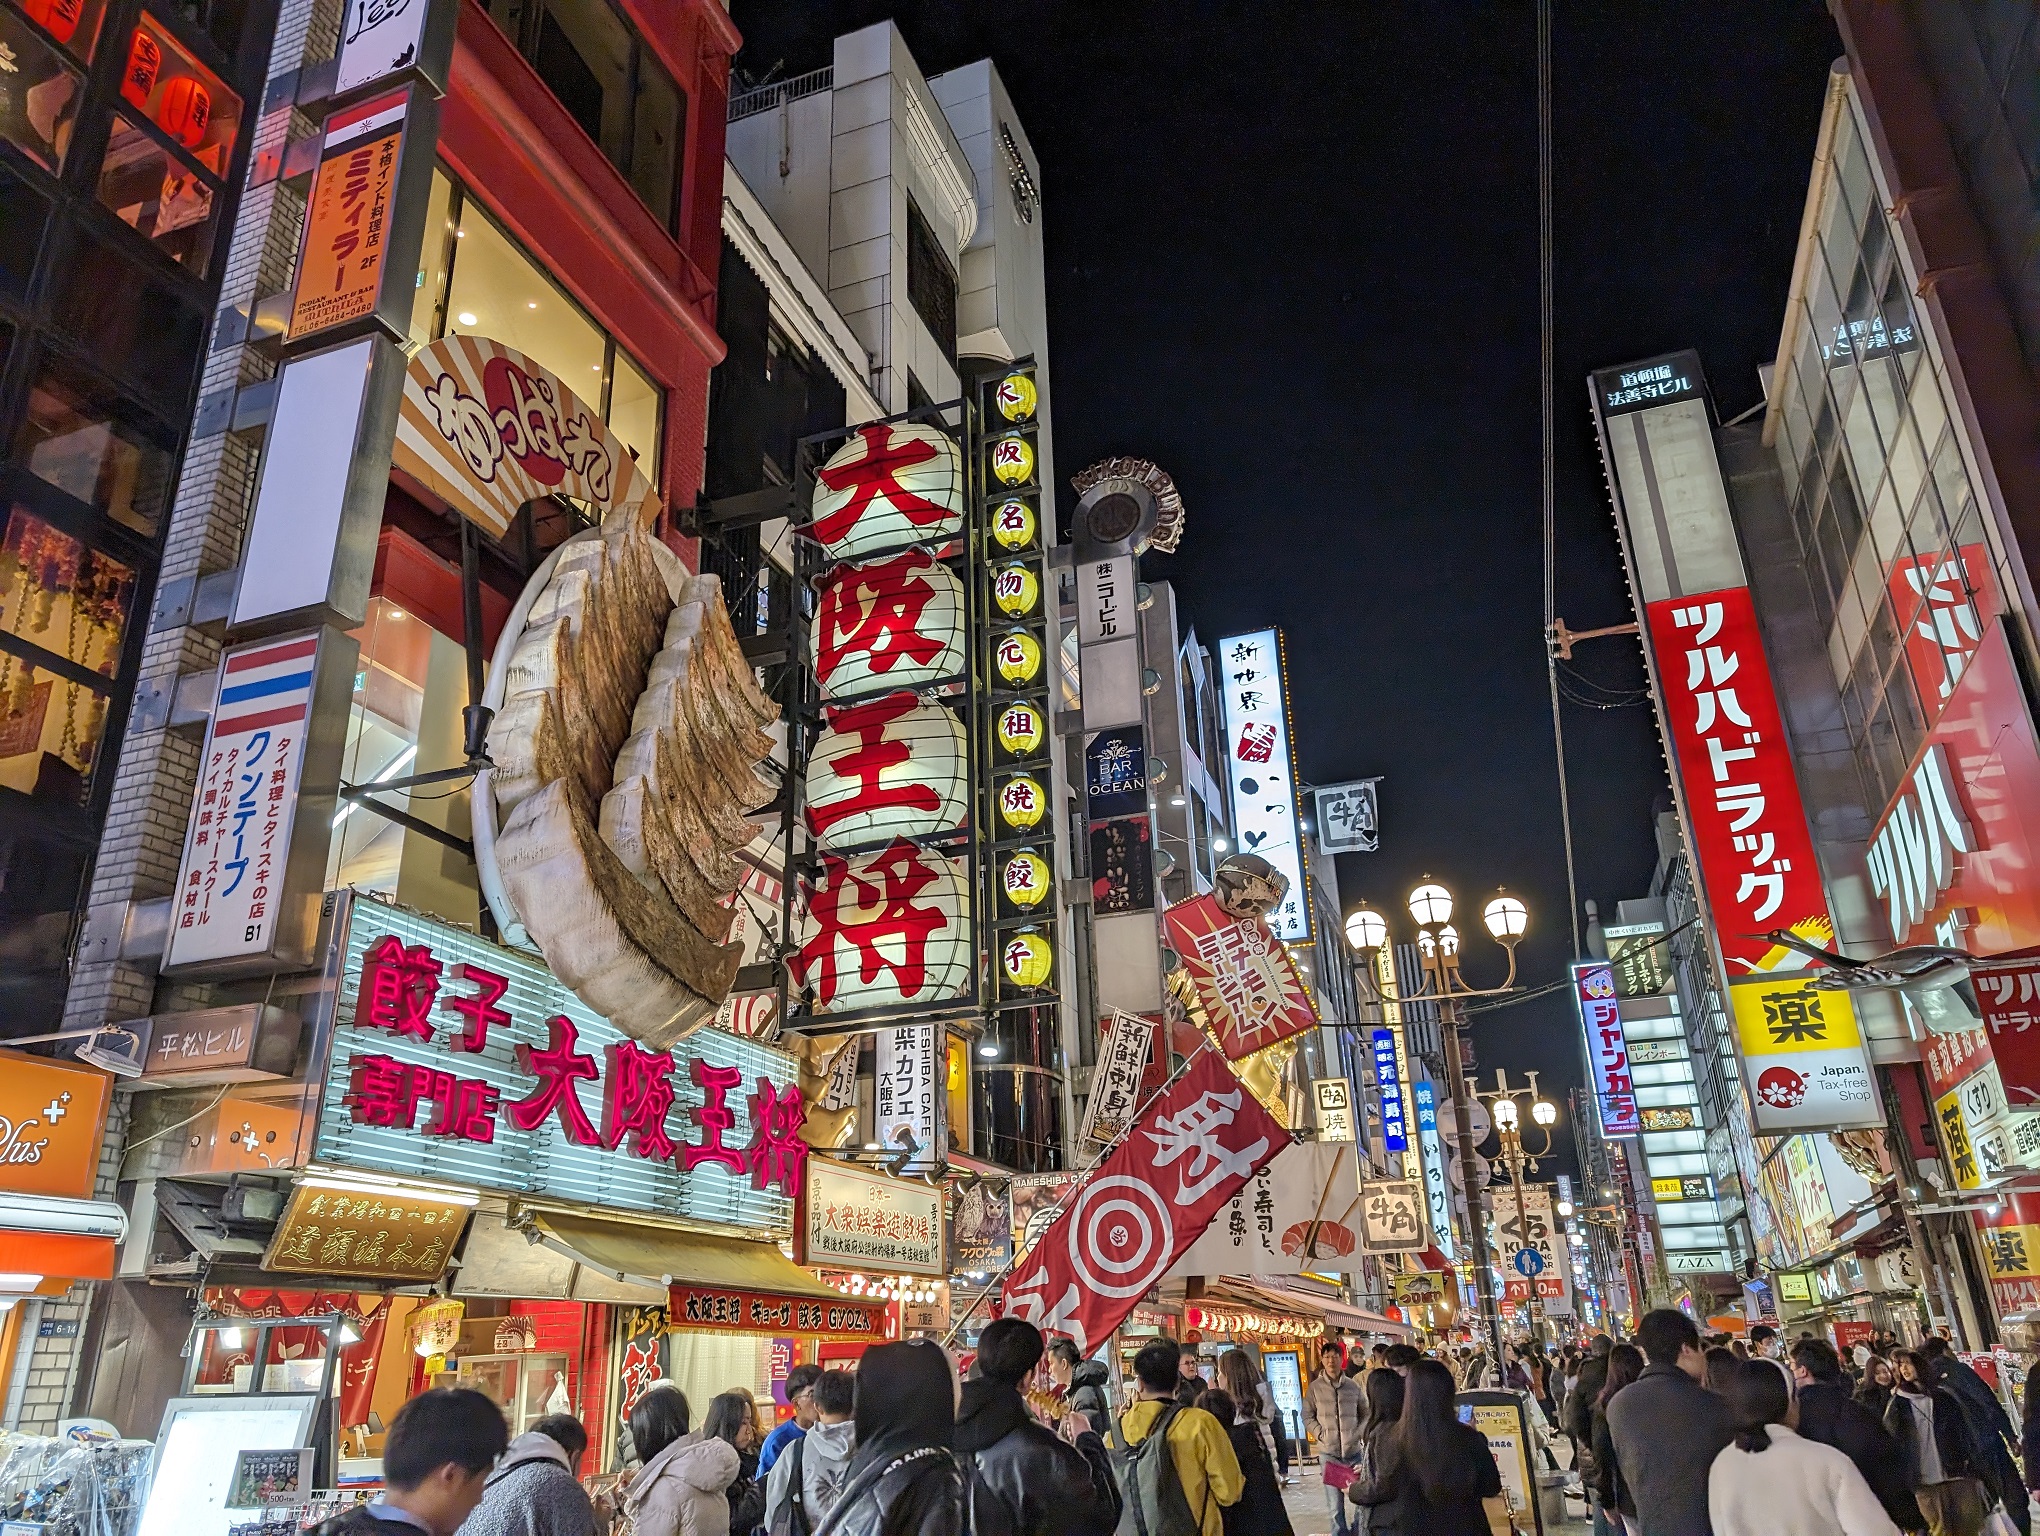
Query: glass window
[
  {"x": 660, "y": 123},
  {"x": 157, "y": 193},
  {"x": 428, "y": 318},
  {"x": 187, "y": 102},
  {"x": 931, "y": 280},
  {"x": 72, "y": 23},
  {"x": 49, "y": 732},
  {"x": 40, "y": 95},
  {"x": 499, "y": 292},
  {"x": 87, "y": 441},
  {"x": 634, "y": 406},
  {"x": 24, "y": 216},
  {"x": 147, "y": 329},
  {"x": 62, "y": 596}
]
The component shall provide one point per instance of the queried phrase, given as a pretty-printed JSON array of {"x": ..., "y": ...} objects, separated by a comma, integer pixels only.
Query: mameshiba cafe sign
[{"x": 456, "y": 1060}]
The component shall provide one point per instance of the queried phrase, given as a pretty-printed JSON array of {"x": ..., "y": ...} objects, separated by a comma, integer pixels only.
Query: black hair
[
  {"x": 1066, "y": 1351},
  {"x": 1186, "y": 1348},
  {"x": 1602, "y": 1344},
  {"x": 1424, "y": 1443},
  {"x": 1757, "y": 1396},
  {"x": 836, "y": 1392},
  {"x": 1384, "y": 1398},
  {"x": 727, "y": 1413},
  {"x": 1762, "y": 1332},
  {"x": 800, "y": 1378},
  {"x": 1155, "y": 1366},
  {"x": 565, "y": 1431},
  {"x": 1935, "y": 1347},
  {"x": 1664, "y": 1334},
  {"x": 906, "y": 1400},
  {"x": 1721, "y": 1364},
  {"x": 1818, "y": 1359},
  {"x": 1402, "y": 1356},
  {"x": 1625, "y": 1364},
  {"x": 1331, "y": 1347},
  {"x": 657, "y": 1419},
  {"x": 458, "y": 1426},
  {"x": 1219, "y": 1403},
  {"x": 1008, "y": 1349}
]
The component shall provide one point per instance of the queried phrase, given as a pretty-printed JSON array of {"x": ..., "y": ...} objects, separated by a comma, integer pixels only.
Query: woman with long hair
[
  {"x": 1770, "y": 1482},
  {"x": 903, "y": 1479},
  {"x": 1240, "y": 1379},
  {"x": 1614, "y": 1509},
  {"x": 1433, "y": 1471},
  {"x": 732, "y": 1417},
  {"x": 1941, "y": 1459},
  {"x": 1379, "y": 1414},
  {"x": 1874, "y": 1390},
  {"x": 1259, "y": 1510},
  {"x": 682, "y": 1489}
]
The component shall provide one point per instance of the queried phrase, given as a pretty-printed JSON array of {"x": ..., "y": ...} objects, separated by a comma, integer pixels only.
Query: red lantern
[
  {"x": 186, "y": 111},
  {"x": 145, "y": 58},
  {"x": 59, "y": 18}
]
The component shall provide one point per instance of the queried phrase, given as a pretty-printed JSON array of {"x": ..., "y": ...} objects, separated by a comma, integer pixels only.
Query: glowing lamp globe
[
  {"x": 1014, "y": 525},
  {"x": 1544, "y": 1112},
  {"x": 1013, "y": 460},
  {"x": 1020, "y": 729},
  {"x": 1027, "y": 960},
  {"x": 1431, "y": 905},
  {"x": 1018, "y": 657},
  {"x": 1016, "y": 589},
  {"x": 1024, "y": 879},
  {"x": 1506, "y": 918},
  {"x": 1016, "y": 397},
  {"x": 1505, "y": 1114},
  {"x": 1366, "y": 930},
  {"x": 1022, "y": 803},
  {"x": 1448, "y": 940}
]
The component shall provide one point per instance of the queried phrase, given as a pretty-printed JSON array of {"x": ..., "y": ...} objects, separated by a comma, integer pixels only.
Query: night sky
[{"x": 1292, "y": 257}]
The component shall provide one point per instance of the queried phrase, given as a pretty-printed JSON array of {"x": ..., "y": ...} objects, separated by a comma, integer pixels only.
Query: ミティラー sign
[
  {"x": 365, "y": 1235},
  {"x": 350, "y": 217},
  {"x": 858, "y": 1219},
  {"x": 1253, "y": 677}
]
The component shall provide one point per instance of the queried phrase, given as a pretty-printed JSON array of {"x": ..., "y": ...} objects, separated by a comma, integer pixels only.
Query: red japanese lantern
[
  {"x": 59, "y": 18},
  {"x": 185, "y": 111},
  {"x": 144, "y": 61},
  {"x": 893, "y": 767},
  {"x": 886, "y": 928},
  {"x": 896, "y": 623},
  {"x": 888, "y": 486}
]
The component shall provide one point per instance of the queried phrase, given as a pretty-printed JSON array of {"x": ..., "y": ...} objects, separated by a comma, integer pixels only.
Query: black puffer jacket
[
  {"x": 918, "y": 1492},
  {"x": 1579, "y": 1404},
  {"x": 1019, "y": 1479},
  {"x": 1828, "y": 1414},
  {"x": 1088, "y": 1383}
]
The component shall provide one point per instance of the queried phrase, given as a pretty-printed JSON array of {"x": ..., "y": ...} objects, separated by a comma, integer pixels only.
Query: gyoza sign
[{"x": 1251, "y": 674}]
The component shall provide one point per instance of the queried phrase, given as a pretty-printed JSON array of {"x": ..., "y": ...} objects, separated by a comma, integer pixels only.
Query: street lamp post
[
  {"x": 1506, "y": 918},
  {"x": 1509, "y": 1125}
]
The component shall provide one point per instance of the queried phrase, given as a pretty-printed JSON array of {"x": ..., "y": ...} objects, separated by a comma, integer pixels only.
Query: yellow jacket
[{"x": 1205, "y": 1463}]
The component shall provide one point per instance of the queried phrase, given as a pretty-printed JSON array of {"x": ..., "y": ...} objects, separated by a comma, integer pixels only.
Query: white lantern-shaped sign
[
  {"x": 884, "y": 929},
  {"x": 893, "y": 623},
  {"x": 888, "y": 486},
  {"x": 890, "y": 767}
]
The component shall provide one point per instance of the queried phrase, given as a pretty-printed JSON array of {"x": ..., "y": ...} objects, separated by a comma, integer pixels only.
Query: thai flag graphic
[{"x": 264, "y": 686}]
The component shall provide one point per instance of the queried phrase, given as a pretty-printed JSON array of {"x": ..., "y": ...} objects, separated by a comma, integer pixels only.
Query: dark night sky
[{"x": 1292, "y": 257}]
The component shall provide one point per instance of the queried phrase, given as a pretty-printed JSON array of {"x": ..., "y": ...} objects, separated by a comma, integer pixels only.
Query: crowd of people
[{"x": 1673, "y": 1434}]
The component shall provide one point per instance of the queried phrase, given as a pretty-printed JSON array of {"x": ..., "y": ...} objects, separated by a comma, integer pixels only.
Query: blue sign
[
  {"x": 1395, "y": 1131},
  {"x": 1115, "y": 773},
  {"x": 1427, "y": 1107},
  {"x": 1529, "y": 1263}
]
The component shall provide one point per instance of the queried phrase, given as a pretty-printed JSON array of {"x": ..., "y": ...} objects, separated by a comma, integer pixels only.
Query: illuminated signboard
[
  {"x": 1253, "y": 676},
  {"x": 1395, "y": 1132},
  {"x": 1607, "y": 1050}
]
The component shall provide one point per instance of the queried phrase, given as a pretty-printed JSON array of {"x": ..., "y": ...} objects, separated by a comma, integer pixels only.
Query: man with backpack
[
  {"x": 809, "y": 1474},
  {"x": 1177, "y": 1470},
  {"x": 1019, "y": 1478}
]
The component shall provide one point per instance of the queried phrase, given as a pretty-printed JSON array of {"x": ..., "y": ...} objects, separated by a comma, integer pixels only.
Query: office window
[
  {"x": 39, "y": 102},
  {"x": 931, "y": 281},
  {"x": 611, "y": 85},
  {"x": 89, "y": 442}
]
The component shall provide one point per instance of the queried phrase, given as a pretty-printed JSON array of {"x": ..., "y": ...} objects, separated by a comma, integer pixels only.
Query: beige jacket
[{"x": 683, "y": 1491}]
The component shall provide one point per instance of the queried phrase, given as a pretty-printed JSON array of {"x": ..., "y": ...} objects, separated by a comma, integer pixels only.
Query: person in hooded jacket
[
  {"x": 1828, "y": 1415},
  {"x": 733, "y": 1417},
  {"x": 1019, "y": 1478},
  {"x": 1259, "y": 1510},
  {"x": 683, "y": 1487},
  {"x": 820, "y": 1458},
  {"x": 534, "y": 1490},
  {"x": 904, "y": 1479},
  {"x": 1939, "y": 1454},
  {"x": 1085, "y": 1383}
]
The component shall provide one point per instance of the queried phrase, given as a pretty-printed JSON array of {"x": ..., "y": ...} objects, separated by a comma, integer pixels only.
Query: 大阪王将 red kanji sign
[
  {"x": 457, "y": 1060},
  {"x": 1192, "y": 1151},
  {"x": 1249, "y": 987}
]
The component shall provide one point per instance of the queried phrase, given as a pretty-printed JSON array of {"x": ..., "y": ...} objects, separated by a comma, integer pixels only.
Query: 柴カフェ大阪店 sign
[{"x": 459, "y": 1061}]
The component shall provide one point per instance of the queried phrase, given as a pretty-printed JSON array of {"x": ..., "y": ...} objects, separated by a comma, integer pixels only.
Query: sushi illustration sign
[{"x": 1295, "y": 1215}]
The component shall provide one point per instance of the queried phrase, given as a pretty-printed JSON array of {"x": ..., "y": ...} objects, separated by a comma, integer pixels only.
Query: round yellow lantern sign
[
  {"x": 1022, "y": 802},
  {"x": 1019, "y": 729},
  {"x": 1016, "y": 589},
  {"x": 1013, "y": 525},
  {"x": 1024, "y": 879},
  {"x": 1027, "y": 960},
  {"x": 1016, "y": 397},
  {"x": 1018, "y": 657},
  {"x": 1013, "y": 460}
]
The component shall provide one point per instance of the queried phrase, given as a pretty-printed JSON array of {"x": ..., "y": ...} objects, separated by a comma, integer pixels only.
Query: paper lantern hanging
[
  {"x": 1016, "y": 589},
  {"x": 1022, "y": 802},
  {"x": 1027, "y": 960},
  {"x": 1024, "y": 879},
  {"x": 884, "y": 929},
  {"x": 888, "y": 486},
  {"x": 1020, "y": 729},
  {"x": 1016, "y": 397},
  {"x": 144, "y": 62},
  {"x": 1014, "y": 524},
  {"x": 888, "y": 768},
  {"x": 891, "y": 623},
  {"x": 59, "y": 18},
  {"x": 185, "y": 111},
  {"x": 1018, "y": 657},
  {"x": 1013, "y": 460},
  {"x": 435, "y": 1327}
]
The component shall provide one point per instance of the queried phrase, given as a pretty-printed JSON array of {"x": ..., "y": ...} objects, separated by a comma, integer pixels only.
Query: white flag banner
[
  {"x": 1267, "y": 1228},
  {"x": 1115, "y": 1080}
]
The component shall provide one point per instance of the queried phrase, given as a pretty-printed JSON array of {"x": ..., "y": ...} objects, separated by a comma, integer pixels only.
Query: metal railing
[{"x": 766, "y": 97}]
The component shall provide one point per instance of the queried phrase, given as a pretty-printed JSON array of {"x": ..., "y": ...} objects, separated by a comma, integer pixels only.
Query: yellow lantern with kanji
[
  {"x": 1016, "y": 397},
  {"x": 1016, "y": 589},
  {"x": 1027, "y": 960},
  {"x": 1018, "y": 657},
  {"x": 435, "y": 1327},
  {"x": 1024, "y": 878},
  {"x": 1013, "y": 460},
  {"x": 1022, "y": 802},
  {"x": 1014, "y": 524},
  {"x": 1020, "y": 729}
]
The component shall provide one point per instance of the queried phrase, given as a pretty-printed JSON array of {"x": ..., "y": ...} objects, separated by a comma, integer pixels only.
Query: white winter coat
[
  {"x": 1794, "y": 1488},
  {"x": 683, "y": 1491}
]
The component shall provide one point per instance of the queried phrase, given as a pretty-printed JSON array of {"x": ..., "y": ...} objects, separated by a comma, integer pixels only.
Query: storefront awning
[
  {"x": 666, "y": 1256},
  {"x": 58, "y": 1239}
]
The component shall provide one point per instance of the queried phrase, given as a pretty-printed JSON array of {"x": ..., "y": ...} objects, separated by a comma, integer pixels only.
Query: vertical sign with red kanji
[{"x": 1254, "y": 676}]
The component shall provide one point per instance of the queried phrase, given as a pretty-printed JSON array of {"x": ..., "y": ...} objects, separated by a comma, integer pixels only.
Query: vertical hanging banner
[
  {"x": 1395, "y": 1130},
  {"x": 907, "y": 1096},
  {"x": 1115, "y": 1080},
  {"x": 1245, "y": 980},
  {"x": 1607, "y": 1049},
  {"x": 1349, "y": 816},
  {"x": 1147, "y": 1203},
  {"x": 1437, "y": 1182},
  {"x": 1253, "y": 674}
]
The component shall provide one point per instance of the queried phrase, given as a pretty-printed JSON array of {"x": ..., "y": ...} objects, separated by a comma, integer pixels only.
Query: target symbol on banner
[{"x": 1121, "y": 1236}]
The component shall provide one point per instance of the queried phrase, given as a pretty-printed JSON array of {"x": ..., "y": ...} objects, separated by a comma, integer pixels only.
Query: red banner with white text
[{"x": 1151, "y": 1199}]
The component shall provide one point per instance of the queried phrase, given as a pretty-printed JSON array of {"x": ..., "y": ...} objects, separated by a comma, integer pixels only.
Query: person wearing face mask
[
  {"x": 1667, "y": 1428},
  {"x": 1765, "y": 1343}
]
